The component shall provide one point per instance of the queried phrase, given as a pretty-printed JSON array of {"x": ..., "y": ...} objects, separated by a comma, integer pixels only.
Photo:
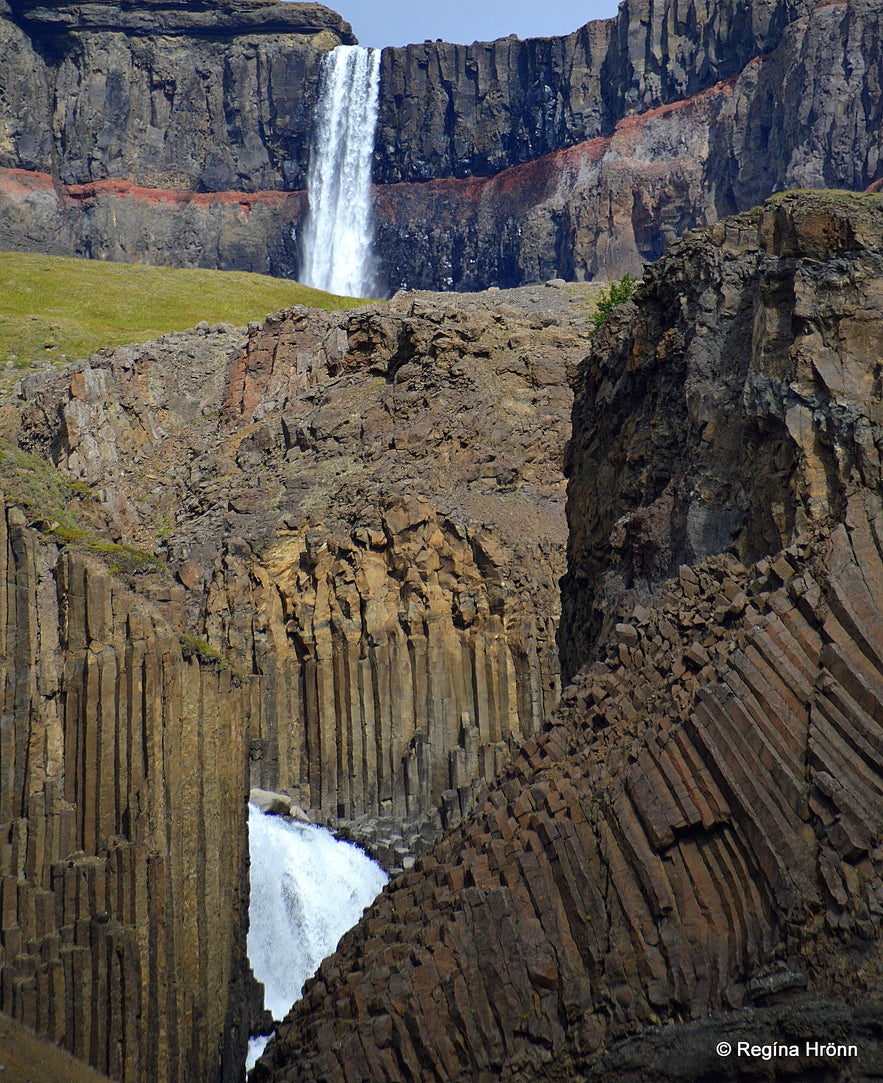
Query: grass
[
  {"x": 63, "y": 309},
  {"x": 48, "y": 498}
]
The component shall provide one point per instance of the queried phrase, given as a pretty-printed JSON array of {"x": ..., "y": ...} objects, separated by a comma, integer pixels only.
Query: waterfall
[
  {"x": 307, "y": 889},
  {"x": 338, "y": 233}
]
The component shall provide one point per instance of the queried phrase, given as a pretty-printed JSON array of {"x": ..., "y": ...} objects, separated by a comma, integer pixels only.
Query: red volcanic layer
[
  {"x": 124, "y": 188},
  {"x": 31, "y": 181},
  {"x": 532, "y": 182},
  {"x": 520, "y": 185}
]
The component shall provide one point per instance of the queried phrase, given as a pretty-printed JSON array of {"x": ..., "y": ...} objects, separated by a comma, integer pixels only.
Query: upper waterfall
[{"x": 337, "y": 239}]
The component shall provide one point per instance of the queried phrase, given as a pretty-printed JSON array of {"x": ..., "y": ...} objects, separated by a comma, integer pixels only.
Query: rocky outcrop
[
  {"x": 698, "y": 832},
  {"x": 495, "y": 164},
  {"x": 725, "y": 447}
]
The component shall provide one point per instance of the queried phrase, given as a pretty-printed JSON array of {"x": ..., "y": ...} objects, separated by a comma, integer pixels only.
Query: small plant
[
  {"x": 193, "y": 646},
  {"x": 614, "y": 294}
]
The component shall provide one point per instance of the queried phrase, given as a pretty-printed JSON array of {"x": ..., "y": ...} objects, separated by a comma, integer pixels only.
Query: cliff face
[
  {"x": 475, "y": 110},
  {"x": 366, "y": 512},
  {"x": 698, "y": 831},
  {"x": 674, "y": 151},
  {"x": 179, "y": 135},
  {"x": 163, "y": 95},
  {"x": 358, "y": 524},
  {"x": 121, "y": 926}
]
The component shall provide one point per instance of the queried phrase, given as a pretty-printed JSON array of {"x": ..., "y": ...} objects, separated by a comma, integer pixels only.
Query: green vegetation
[
  {"x": 62, "y": 309},
  {"x": 210, "y": 656},
  {"x": 47, "y": 498},
  {"x": 609, "y": 298},
  {"x": 838, "y": 195}
]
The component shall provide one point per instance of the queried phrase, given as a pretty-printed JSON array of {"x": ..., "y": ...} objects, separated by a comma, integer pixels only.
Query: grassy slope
[{"x": 61, "y": 309}]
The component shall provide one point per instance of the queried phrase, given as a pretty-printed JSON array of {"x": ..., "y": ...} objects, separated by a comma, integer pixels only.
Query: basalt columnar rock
[
  {"x": 691, "y": 850},
  {"x": 362, "y": 514},
  {"x": 358, "y": 529},
  {"x": 169, "y": 135},
  {"x": 123, "y": 859}
]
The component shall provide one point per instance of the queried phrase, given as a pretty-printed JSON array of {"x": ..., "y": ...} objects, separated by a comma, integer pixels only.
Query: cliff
[
  {"x": 496, "y": 163},
  {"x": 320, "y": 556},
  {"x": 195, "y": 97},
  {"x": 118, "y": 938},
  {"x": 691, "y": 850}
]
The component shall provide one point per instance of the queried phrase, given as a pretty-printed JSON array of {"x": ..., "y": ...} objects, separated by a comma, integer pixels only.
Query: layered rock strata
[
  {"x": 165, "y": 95},
  {"x": 496, "y": 163},
  {"x": 698, "y": 831}
]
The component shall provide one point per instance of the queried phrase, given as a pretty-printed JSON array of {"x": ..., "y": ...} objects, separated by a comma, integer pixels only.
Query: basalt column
[{"x": 122, "y": 842}]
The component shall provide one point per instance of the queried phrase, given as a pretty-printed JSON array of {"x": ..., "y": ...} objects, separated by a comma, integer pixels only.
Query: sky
[{"x": 401, "y": 22}]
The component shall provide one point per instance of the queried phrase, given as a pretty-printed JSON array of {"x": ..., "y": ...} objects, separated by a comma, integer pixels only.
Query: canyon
[
  {"x": 579, "y": 634},
  {"x": 155, "y": 134},
  {"x": 321, "y": 556}
]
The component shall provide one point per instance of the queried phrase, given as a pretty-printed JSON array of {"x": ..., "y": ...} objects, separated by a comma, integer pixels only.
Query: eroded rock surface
[
  {"x": 365, "y": 513},
  {"x": 698, "y": 832}
]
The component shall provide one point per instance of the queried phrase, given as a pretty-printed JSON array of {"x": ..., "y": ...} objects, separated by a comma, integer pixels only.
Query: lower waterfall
[
  {"x": 307, "y": 889},
  {"x": 337, "y": 241}
]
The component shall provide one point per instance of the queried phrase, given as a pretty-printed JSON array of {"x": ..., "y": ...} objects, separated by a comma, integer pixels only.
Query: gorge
[{"x": 580, "y": 636}]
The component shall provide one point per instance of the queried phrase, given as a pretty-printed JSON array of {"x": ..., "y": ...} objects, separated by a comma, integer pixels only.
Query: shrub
[{"x": 610, "y": 297}]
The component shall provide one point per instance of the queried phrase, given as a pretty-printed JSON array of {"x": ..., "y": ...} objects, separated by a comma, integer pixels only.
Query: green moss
[
  {"x": 193, "y": 647},
  {"x": 41, "y": 491},
  {"x": 62, "y": 309},
  {"x": 47, "y": 498}
]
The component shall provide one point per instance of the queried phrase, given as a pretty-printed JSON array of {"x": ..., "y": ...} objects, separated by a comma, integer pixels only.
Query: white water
[
  {"x": 307, "y": 889},
  {"x": 338, "y": 233}
]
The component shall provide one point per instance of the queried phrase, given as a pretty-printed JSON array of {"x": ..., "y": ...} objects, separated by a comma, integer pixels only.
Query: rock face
[
  {"x": 373, "y": 527},
  {"x": 360, "y": 525},
  {"x": 121, "y": 926},
  {"x": 180, "y": 135},
  {"x": 698, "y": 832},
  {"x": 167, "y": 95}
]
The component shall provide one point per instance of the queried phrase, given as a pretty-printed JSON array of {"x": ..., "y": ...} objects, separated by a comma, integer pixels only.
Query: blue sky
[{"x": 398, "y": 22}]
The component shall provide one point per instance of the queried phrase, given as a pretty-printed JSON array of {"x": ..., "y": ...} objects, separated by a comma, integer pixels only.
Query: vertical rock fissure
[{"x": 337, "y": 242}]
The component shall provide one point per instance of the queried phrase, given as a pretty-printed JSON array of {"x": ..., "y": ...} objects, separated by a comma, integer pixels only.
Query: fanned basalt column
[
  {"x": 123, "y": 849},
  {"x": 698, "y": 832}
]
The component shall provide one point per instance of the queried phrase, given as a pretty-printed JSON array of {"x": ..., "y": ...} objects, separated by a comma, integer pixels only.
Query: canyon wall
[
  {"x": 495, "y": 164},
  {"x": 123, "y": 859},
  {"x": 692, "y": 849},
  {"x": 365, "y": 514},
  {"x": 320, "y": 556}
]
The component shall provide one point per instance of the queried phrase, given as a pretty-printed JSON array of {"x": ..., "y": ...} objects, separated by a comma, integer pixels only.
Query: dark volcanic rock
[
  {"x": 349, "y": 531},
  {"x": 722, "y": 446},
  {"x": 697, "y": 835},
  {"x": 168, "y": 95},
  {"x": 495, "y": 164},
  {"x": 474, "y": 110}
]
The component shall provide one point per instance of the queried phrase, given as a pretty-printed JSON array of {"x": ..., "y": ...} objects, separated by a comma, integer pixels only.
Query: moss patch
[
  {"x": 193, "y": 647},
  {"x": 63, "y": 309},
  {"x": 51, "y": 501}
]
